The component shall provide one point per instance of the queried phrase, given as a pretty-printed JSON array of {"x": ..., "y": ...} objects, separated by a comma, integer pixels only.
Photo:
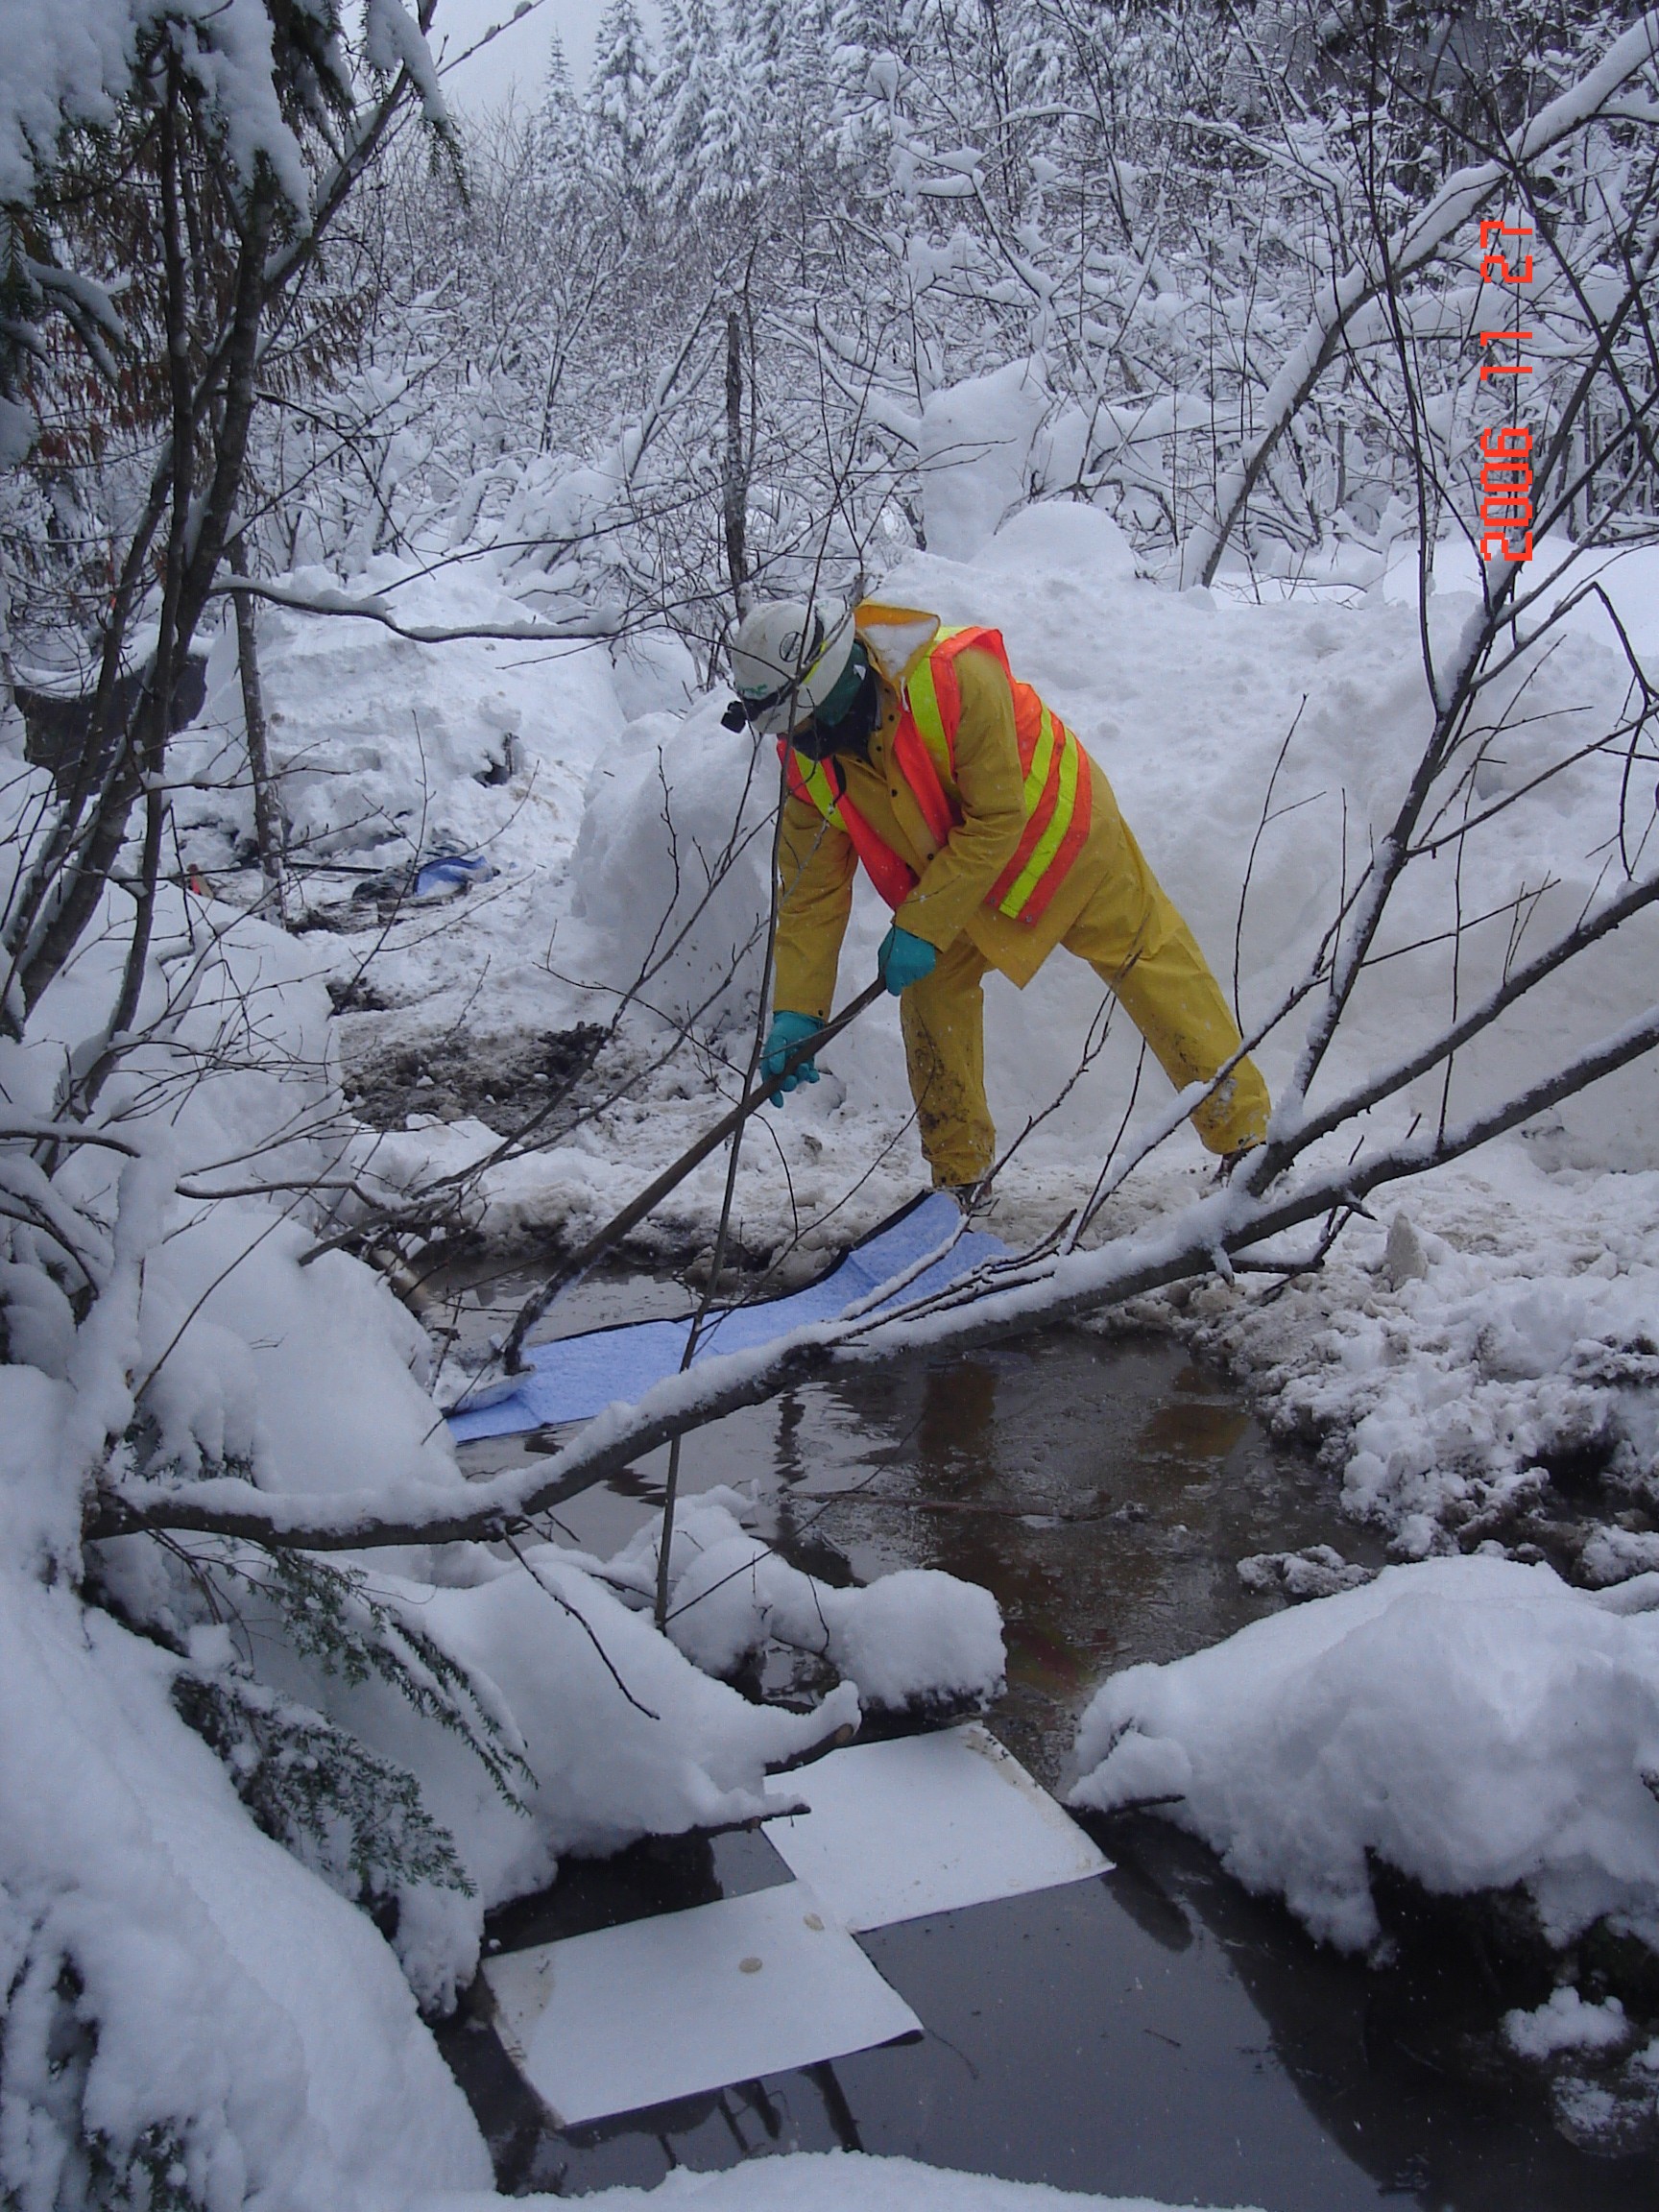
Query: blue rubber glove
[
  {"x": 787, "y": 1031},
  {"x": 903, "y": 959}
]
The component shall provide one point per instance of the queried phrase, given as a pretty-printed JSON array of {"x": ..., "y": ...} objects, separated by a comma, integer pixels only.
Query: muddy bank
[{"x": 505, "y": 1081}]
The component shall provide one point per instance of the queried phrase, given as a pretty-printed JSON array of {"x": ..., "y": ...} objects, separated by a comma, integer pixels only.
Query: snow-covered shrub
[
  {"x": 432, "y": 1750},
  {"x": 385, "y": 750},
  {"x": 186, "y": 2006}
]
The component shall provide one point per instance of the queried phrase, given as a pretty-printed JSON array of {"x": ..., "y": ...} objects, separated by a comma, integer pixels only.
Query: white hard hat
[{"x": 786, "y": 658}]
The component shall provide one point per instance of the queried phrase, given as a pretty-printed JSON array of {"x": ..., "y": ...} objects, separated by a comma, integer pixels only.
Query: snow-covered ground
[
  {"x": 1491, "y": 1382},
  {"x": 1464, "y": 1369},
  {"x": 621, "y": 804}
]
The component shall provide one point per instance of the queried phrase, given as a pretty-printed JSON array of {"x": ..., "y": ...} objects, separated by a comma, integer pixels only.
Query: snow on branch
[
  {"x": 394, "y": 40},
  {"x": 602, "y": 622}
]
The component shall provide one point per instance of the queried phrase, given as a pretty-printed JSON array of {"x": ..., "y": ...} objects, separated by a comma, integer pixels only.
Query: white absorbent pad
[
  {"x": 577, "y": 1377},
  {"x": 925, "y": 1825},
  {"x": 634, "y": 2016},
  {"x": 688, "y": 2002}
]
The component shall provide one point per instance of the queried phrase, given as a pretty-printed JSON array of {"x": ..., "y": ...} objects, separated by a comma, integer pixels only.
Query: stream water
[{"x": 1156, "y": 2033}]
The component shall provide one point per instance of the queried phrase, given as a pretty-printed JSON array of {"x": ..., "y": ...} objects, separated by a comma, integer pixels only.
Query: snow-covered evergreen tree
[
  {"x": 622, "y": 105},
  {"x": 695, "y": 153},
  {"x": 559, "y": 118}
]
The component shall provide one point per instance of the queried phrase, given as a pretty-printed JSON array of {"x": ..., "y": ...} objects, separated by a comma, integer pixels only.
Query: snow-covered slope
[{"x": 640, "y": 848}]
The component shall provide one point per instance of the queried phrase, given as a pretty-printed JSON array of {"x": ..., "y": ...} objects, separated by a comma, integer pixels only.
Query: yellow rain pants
[
  {"x": 1139, "y": 945},
  {"x": 1110, "y": 911}
]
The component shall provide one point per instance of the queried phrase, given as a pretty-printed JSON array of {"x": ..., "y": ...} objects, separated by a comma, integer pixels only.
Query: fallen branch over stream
[{"x": 996, "y": 1304}]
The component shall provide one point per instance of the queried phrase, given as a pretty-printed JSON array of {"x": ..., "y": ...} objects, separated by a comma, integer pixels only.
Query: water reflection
[
  {"x": 1157, "y": 2033},
  {"x": 1104, "y": 1490}
]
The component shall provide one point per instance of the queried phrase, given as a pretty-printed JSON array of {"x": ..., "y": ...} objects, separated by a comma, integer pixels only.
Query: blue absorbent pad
[{"x": 577, "y": 1377}]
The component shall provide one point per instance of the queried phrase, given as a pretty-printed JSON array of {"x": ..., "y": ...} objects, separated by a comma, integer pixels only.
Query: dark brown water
[
  {"x": 1102, "y": 1490},
  {"x": 1156, "y": 2033}
]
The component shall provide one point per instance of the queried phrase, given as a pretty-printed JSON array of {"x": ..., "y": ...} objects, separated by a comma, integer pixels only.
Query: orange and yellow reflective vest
[{"x": 1054, "y": 767}]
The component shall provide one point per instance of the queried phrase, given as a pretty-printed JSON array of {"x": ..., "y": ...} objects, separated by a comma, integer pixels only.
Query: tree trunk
[
  {"x": 267, "y": 814},
  {"x": 736, "y": 483}
]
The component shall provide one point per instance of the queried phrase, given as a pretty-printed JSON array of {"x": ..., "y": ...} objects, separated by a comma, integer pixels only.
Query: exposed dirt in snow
[{"x": 457, "y": 1076}]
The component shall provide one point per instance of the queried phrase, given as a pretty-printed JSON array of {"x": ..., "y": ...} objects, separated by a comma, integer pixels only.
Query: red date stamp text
[{"x": 1506, "y": 466}]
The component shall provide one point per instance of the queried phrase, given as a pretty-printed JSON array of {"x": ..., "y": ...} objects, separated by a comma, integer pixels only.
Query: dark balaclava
[{"x": 845, "y": 721}]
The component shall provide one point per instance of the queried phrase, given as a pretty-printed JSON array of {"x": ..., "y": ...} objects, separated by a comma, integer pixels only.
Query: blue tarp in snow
[{"x": 577, "y": 1377}]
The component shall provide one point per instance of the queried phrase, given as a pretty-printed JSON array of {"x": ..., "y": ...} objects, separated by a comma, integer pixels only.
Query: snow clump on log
[{"x": 917, "y": 1640}]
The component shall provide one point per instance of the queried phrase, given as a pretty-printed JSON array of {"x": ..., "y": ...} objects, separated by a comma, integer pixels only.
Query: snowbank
[
  {"x": 248, "y": 1344},
  {"x": 182, "y": 1993},
  {"x": 613, "y": 1731},
  {"x": 669, "y": 871},
  {"x": 384, "y": 748},
  {"x": 1474, "y": 1724},
  {"x": 974, "y": 456},
  {"x": 828, "y": 2181},
  {"x": 182, "y": 1990},
  {"x": 386, "y": 752}
]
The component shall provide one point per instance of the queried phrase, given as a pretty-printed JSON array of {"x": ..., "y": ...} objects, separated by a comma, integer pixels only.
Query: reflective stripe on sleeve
[{"x": 1037, "y": 775}]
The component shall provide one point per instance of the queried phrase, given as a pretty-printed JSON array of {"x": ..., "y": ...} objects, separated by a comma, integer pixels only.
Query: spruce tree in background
[{"x": 621, "y": 102}]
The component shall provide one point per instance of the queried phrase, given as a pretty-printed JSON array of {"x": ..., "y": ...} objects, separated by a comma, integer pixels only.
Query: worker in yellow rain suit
[{"x": 993, "y": 838}]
